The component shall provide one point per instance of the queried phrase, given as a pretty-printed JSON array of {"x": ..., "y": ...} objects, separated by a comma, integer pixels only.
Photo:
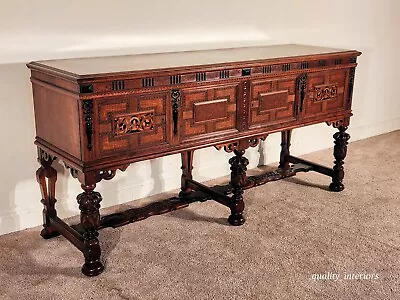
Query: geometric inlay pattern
[
  {"x": 208, "y": 109},
  {"x": 131, "y": 122},
  {"x": 272, "y": 101},
  {"x": 325, "y": 92}
]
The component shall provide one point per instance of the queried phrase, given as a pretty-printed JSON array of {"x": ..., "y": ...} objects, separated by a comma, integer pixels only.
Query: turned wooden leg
[
  {"x": 187, "y": 167},
  {"x": 46, "y": 176},
  {"x": 285, "y": 145},
  {"x": 339, "y": 151},
  {"x": 238, "y": 180},
  {"x": 89, "y": 204}
]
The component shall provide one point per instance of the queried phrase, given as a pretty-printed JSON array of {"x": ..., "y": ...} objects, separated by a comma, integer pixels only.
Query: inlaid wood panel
[
  {"x": 272, "y": 101},
  {"x": 207, "y": 110},
  {"x": 325, "y": 92},
  {"x": 131, "y": 122}
]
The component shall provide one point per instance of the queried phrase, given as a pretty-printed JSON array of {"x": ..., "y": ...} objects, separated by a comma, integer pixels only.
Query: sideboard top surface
[{"x": 83, "y": 67}]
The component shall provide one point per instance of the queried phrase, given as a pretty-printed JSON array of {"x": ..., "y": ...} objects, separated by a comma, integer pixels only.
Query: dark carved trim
[
  {"x": 176, "y": 98},
  {"x": 118, "y": 85},
  {"x": 87, "y": 106},
  {"x": 243, "y": 144},
  {"x": 110, "y": 173},
  {"x": 267, "y": 69},
  {"x": 86, "y": 88},
  {"x": 352, "y": 73},
  {"x": 45, "y": 158},
  {"x": 302, "y": 86},
  {"x": 228, "y": 147},
  {"x": 335, "y": 124},
  {"x": 353, "y": 60},
  {"x": 246, "y": 72}
]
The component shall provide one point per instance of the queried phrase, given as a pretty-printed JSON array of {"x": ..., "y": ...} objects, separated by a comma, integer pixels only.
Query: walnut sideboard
[{"x": 98, "y": 115}]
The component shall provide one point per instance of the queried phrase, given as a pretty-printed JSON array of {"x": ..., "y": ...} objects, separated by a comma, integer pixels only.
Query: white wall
[{"x": 32, "y": 30}]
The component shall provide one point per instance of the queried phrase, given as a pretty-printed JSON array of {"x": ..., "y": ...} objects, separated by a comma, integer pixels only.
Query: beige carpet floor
[{"x": 295, "y": 229}]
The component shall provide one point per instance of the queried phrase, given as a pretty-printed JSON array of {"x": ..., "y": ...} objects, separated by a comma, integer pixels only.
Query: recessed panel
[
  {"x": 210, "y": 110},
  {"x": 273, "y": 100}
]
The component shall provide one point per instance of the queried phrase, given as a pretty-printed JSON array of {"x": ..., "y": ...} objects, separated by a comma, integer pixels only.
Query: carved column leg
[
  {"x": 339, "y": 151},
  {"x": 89, "y": 204},
  {"x": 187, "y": 167},
  {"x": 285, "y": 145},
  {"x": 48, "y": 191},
  {"x": 238, "y": 180}
]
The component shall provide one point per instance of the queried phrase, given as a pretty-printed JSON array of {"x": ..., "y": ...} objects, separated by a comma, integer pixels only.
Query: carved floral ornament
[
  {"x": 325, "y": 92},
  {"x": 133, "y": 123},
  {"x": 245, "y": 143}
]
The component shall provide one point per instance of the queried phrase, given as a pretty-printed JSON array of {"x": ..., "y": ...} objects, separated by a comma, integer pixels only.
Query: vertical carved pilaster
[
  {"x": 352, "y": 74},
  {"x": 87, "y": 106},
  {"x": 48, "y": 191},
  {"x": 176, "y": 98},
  {"x": 302, "y": 86},
  {"x": 187, "y": 167},
  {"x": 89, "y": 204},
  {"x": 339, "y": 151},
  {"x": 285, "y": 145},
  {"x": 238, "y": 180}
]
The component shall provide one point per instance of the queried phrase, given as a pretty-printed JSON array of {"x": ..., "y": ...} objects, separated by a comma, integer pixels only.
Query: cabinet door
[
  {"x": 325, "y": 92},
  {"x": 208, "y": 111},
  {"x": 130, "y": 123},
  {"x": 272, "y": 101}
]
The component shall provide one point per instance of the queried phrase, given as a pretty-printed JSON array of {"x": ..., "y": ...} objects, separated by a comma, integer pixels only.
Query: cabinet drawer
[
  {"x": 130, "y": 122},
  {"x": 208, "y": 110},
  {"x": 272, "y": 101},
  {"x": 325, "y": 92}
]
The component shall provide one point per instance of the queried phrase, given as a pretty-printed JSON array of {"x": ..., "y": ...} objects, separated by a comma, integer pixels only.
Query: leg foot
[
  {"x": 238, "y": 180},
  {"x": 92, "y": 268},
  {"x": 49, "y": 232},
  {"x": 236, "y": 219},
  {"x": 336, "y": 187},
  {"x": 339, "y": 151}
]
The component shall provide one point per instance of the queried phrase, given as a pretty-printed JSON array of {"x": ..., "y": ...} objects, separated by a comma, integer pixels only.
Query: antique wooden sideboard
[{"x": 98, "y": 115}]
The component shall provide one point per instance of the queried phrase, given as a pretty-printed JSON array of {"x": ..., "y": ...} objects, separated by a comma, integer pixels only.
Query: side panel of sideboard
[{"x": 57, "y": 117}]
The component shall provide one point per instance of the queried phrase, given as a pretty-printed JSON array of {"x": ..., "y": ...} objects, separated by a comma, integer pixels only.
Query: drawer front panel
[
  {"x": 206, "y": 110},
  {"x": 272, "y": 101},
  {"x": 131, "y": 123},
  {"x": 325, "y": 92}
]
